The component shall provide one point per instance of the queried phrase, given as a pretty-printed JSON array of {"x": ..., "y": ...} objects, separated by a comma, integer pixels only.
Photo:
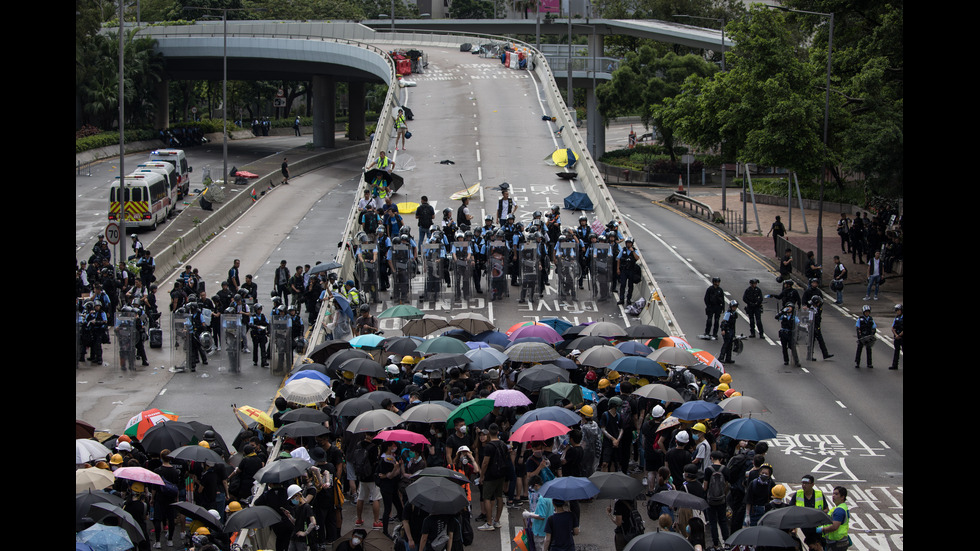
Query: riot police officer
[
  {"x": 728, "y": 332},
  {"x": 898, "y": 333},
  {"x": 628, "y": 267},
  {"x": 260, "y": 336},
  {"x": 94, "y": 331},
  {"x": 788, "y": 325},
  {"x": 816, "y": 333},
  {"x": 200, "y": 328},
  {"x": 789, "y": 295},
  {"x": 752, "y": 297},
  {"x": 714, "y": 305},
  {"x": 866, "y": 331}
]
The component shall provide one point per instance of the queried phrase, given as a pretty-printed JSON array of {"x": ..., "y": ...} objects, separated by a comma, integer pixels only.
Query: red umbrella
[
  {"x": 398, "y": 435},
  {"x": 538, "y": 430}
]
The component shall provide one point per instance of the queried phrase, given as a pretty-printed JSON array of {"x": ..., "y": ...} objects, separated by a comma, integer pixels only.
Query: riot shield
[
  {"x": 126, "y": 334},
  {"x": 281, "y": 344},
  {"x": 602, "y": 269},
  {"x": 567, "y": 269},
  {"x": 497, "y": 259},
  {"x": 231, "y": 335},
  {"x": 367, "y": 270},
  {"x": 182, "y": 341},
  {"x": 462, "y": 269},
  {"x": 530, "y": 266},
  {"x": 401, "y": 256},
  {"x": 432, "y": 255}
]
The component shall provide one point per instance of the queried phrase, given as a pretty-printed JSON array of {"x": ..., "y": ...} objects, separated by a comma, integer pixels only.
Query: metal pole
[
  {"x": 571, "y": 93},
  {"x": 123, "y": 192},
  {"x": 224, "y": 102},
  {"x": 826, "y": 129}
]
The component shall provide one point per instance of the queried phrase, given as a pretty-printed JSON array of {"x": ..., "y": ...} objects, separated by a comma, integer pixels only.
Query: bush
[{"x": 106, "y": 139}]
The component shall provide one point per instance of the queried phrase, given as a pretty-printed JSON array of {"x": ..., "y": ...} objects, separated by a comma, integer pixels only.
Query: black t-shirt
[
  {"x": 676, "y": 459},
  {"x": 433, "y": 525},
  {"x": 573, "y": 461}
]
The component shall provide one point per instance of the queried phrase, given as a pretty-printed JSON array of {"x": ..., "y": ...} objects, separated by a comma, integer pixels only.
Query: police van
[
  {"x": 146, "y": 199},
  {"x": 177, "y": 158},
  {"x": 169, "y": 174}
]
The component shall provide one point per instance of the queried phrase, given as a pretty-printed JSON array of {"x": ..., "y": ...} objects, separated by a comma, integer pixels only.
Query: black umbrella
[
  {"x": 168, "y": 435},
  {"x": 659, "y": 541},
  {"x": 645, "y": 332},
  {"x": 762, "y": 536},
  {"x": 282, "y": 470},
  {"x": 322, "y": 351},
  {"x": 318, "y": 367},
  {"x": 675, "y": 498},
  {"x": 85, "y": 500},
  {"x": 299, "y": 429},
  {"x": 259, "y": 516},
  {"x": 312, "y": 415},
  {"x": 364, "y": 366},
  {"x": 200, "y": 513},
  {"x": 199, "y": 430},
  {"x": 442, "y": 360},
  {"x": 586, "y": 342},
  {"x": 443, "y": 472},
  {"x": 402, "y": 346},
  {"x": 616, "y": 485},
  {"x": 337, "y": 358},
  {"x": 788, "y": 518},
  {"x": 325, "y": 267},
  {"x": 380, "y": 396},
  {"x": 196, "y": 453},
  {"x": 133, "y": 528},
  {"x": 352, "y": 407},
  {"x": 706, "y": 370},
  {"x": 395, "y": 181},
  {"x": 437, "y": 496}
]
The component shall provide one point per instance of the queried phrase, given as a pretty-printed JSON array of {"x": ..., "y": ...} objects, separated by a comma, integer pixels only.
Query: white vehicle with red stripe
[
  {"x": 169, "y": 174},
  {"x": 145, "y": 200},
  {"x": 177, "y": 158}
]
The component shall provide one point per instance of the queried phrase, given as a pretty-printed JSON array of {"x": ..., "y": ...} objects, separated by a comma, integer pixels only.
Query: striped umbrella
[{"x": 530, "y": 352}]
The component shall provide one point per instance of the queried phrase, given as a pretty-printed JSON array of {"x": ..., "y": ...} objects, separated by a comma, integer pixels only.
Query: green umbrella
[
  {"x": 403, "y": 311},
  {"x": 555, "y": 392},
  {"x": 471, "y": 411},
  {"x": 443, "y": 344}
]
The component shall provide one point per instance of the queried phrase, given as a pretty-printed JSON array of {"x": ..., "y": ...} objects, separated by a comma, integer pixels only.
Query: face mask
[
  {"x": 355, "y": 541},
  {"x": 432, "y": 431},
  {"x": 462, "y": 429},
  {"x": 294, "y": 501},
  {"x": 411, "y": 455}
]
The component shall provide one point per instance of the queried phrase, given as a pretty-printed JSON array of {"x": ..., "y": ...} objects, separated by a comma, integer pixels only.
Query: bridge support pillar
[
  {"x": 324, "y": 111},
  {"x": 161, "y": 95},
  {"x": 595, "y": 126},
  {"x": 357, "y": 127}
]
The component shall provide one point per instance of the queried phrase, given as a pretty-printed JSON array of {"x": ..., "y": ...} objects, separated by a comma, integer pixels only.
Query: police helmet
[
  {"x": 405, "y": 230},
  {"x": 537, "y": 214},
  {"x": 716, "y": 280},
  {"x": 363, "y": 238},
  {"x": 501, "y": 234},
  {"x": 447, "y": 212},
  {"x": 787, "y": 283},
  {"x": 583, "y": 218},
  {"x": 898, "y": 307},
  {"x": 815, "y": 300},
  {"x": 460, "y": 235},
  {"x": 468, "y": 234},
  {"x": 488, "y": 218},
  {"x": 555, "y": 208},
  {"x": 753, "y": 281},
  {"x": 380, "y": 231},
  {"x": 433, "y": 228},
  {"x": 787, "y": 309},
  {"x": 865, "y": 308},
  {"x": 257, "y": 307},
  {"x": 205, "y": 339},
  {"x": 511, "y": 216},
  {"x": 630, "y": 240},
  {"x": 733, "y": 303}
]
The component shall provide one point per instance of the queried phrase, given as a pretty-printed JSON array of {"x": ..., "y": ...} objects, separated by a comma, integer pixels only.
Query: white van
[
  {"x": 177, "y": 158},
  {"x": 145, "y": 200},
  {"x": 169, "y": 174}
]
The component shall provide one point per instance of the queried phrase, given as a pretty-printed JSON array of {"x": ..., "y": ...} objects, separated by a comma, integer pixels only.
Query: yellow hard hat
[
  {"x": 116, "y": 459},
  {"x": 348, "y": 374},
  {"x": 722, "y": 387},
  {"x": 233, "y": 507},
  {"x": 603, "y": 383},
  {"x": 204, "y": 444},
  {"x": 642, "y": 382},
  {"x": 408, "y": 360},
  {"x": 202, "y": 531},
  {"x": 137, "y": 487},
  {"x": 779, "y": 491},
  {"x": 700, "y": 427},
  {"x": 587, "y": 411},
  {"x": 613, "y": 375},
  {"x": 736, "y": 393},
  {"x": 725, "y": 378}
]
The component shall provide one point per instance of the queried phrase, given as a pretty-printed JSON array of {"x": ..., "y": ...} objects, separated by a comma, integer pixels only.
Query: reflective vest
[
  {"x": 841, "y": 532},
  {"x": 817, "y": 499},
  {"x": 382, "y": 162}
]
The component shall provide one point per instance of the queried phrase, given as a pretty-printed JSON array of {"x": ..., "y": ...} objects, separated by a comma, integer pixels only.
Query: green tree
[{"x": 471, "y": 9}]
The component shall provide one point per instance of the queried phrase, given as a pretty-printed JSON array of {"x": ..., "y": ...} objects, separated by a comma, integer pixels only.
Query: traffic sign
[{"x": 112, "y": 233}]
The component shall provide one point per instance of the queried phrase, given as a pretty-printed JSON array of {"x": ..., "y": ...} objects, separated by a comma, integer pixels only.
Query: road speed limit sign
[{"x": 112, "y": 233}]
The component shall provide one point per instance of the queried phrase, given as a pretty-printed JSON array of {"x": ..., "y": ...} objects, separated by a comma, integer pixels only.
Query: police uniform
[
  {"x": 752, "y": 297},
  {"x": 714, "y": 305},
  {"x": 728, "y": 337},
  {"x": 898, "y": 327},
  {"x": 260, "y": 338},
  {"x": 788, "y": 323},
  {"x": 866, "y": 329}
]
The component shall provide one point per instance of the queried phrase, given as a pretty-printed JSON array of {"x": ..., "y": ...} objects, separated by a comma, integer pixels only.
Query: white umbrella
[
  {"x": 306, "y": 391},
  {"x": 89, "y": 450}
]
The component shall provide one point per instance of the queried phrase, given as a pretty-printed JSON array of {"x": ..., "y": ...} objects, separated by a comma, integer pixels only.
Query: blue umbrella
[
  {"x": 485, "y": 358},
  {"x": 749, "y": 429},
  {"x": 588, "y": 395},
  {"x": 309, "y": 374},
  {"x": 634, "y": 348},
  {"x": 101, "y": 537},
  {"x": 558, "y": 324},
  {"x": 565, "y": 363},
  {"x": 494, "y": 337},
  {"x": 344, "y": 305},
  {"x": 697, "y": 409},
  {"x": 477, "y": 344},
  {"x": 550, "y": 413},
  {"x": 638, "y": 365},
  {"x": 569, "y": 488},
  {"x": 367, "y": 341}
]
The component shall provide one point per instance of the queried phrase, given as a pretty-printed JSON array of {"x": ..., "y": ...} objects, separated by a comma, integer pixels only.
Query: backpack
[
  {"x": 718, "y": 488},
  {"x": 495, "y": 469},
  {"x": 626, "y": 417},
  {"x": 633, "y": 525},
  {"x": 736, "y": 470},
  {"x": 441, "y": 541},
  {"x": 169, "y": 489},
  {"x": 361, "y": 461}
]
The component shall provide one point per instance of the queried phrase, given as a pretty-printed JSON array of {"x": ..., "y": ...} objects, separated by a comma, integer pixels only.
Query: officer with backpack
[{"x": 718, "y": 489}]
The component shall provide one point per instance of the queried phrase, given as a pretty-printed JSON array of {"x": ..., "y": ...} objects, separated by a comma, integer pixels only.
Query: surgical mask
[
  {"x": 432, "y": 431},
  {"x": 462, "y": 429},
  {"x": 355, "y": 541},
  {"x": 294, "y": 501}
]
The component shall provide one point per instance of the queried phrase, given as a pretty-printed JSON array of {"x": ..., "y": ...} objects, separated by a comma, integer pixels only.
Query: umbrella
[
  {"x": 299, "y": 429},
  {"x": 192, "y": 453},
  {"x": 459, "y": 334},
  {"x": 749, "y": 429},
  {"x": 638, "y": 365},
  {"x": 675, "y": 498},
  {"x": 494, "y": 337},
  {"x": 659, "y": 541},
  {"x": 407, "y": 207},
  {"x": 325, "y": 267},
  {"x": 443, "y": 472},
  {"x": 85, "y": 500},
  {"x": 509, "y": 398},
  {"x": 633, "y": 348},
  {"x": 531, "y": 339},
  {"x": 535, "y": 379},
  {"x": 367, "y": 341},
  {"x": 606, "y": 329},
  {"x": 344, "y": 305},
  {"x": 406, "y": 436},
  {"x": 550, "y": 413},
  {"x": 554, "y": 393},
  {"x": 697, "y": 409},
  {"x": 674, "y": 356},
  {"x": 485, "y": 358},
  {"x": 538, "y": 430},
  {"x": 402, "y": 346},
  {"x": 423, "y": 326},
  {"x": 600, "y": 356},
  {"x": 569, "y": 488},
  {"x": 393, "y": 180},
  {"x": 133, "y": 528},
  {"x": 257, "y": 516},
  {"x": 197, "y": 512},
  {"x": 427, "y": 413},
  {"x": 531, "y": 352},
  {"x": 573, "y": 331},
  {"x": 137, "y": 426},
  {"x": 304, "y": 414},
  {"x": 310, "y": 374},
  {"x": 558, "y": 324},
  {"x": 616, "y": 485},
  {"x": 578, "y": 201},
  {"x": 374, "y": 421},
  {"x": 282, "y": 470},
  {"x": 518, "y": 325},
  {"x": 258, "y": 416},
  {"x": 325, "y": 349},
  {"x": 201, "y": 429},
  {"x": 471, "y": 411},
  {"x": 742, "y": 405},
  {"x": 105, "y": 538},
  {"x": 305, "y": 391},
  {"x": 565, "y": 364},
  {"x": 437, "y": 496},
  {"x": 541, "y": 331},
  {"x": 443, "y": 344},
  {"x": 352, "y": 407},
  {"x": 585, "y": 342},
  {"x": 472, "y": 322},
  {"x": 660, "y": 392},
  {"x": 788, "y": 518},
  {"x": 443, "y": 361},
  {"x": 139, "y": 474},
  {"x": 364, "y": 366},
  {"x": 403, "y": 311},
  {"x": 83, "y": 429},
  {"x": 645, "y": 332},
  {"x": 375, "y": 540},
  {"x": 762, "y": 536},
  {"x": 90, "y": 450},
  {"x": 338, "y": 358},
  {"x": 167, "y": 436},
  {"x": 563, "y": 157},
  {"x": 381, "y": 395},
  {"x": 670, "y": 342}
]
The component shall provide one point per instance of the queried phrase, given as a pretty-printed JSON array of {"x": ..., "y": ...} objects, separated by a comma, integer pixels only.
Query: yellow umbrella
[
  {"x": 259, "y": 416},
  {"x": 563, "y": 157},
  {"x": 407, "y": 208}
]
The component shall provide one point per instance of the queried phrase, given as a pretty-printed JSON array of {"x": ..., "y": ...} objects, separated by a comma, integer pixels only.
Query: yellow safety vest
[
  {"x": 841, "y": 531},
  {"x": 817, "y": 499},
  {"x": 382, "y": 162}
]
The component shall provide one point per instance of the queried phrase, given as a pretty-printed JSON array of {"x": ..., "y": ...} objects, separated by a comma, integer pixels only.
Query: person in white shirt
[{"x": 874, "y": 275}]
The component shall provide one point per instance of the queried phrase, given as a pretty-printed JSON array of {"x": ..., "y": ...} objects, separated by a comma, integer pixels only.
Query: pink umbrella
[
  {"x": 138, "y": 474},
  {"x": 509, "y": 397},
  {"x": 538, "y": 430},
  {"x": 543, "y": 331},
  {"x": 398, "y": 435}
]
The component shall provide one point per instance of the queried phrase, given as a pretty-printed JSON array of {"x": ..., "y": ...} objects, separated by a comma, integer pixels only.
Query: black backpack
[
  {"x": 361, "y": 461},
  {"x": 718, "y": 487}
]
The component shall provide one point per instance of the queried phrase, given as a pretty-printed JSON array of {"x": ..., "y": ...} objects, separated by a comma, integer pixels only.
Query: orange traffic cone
[{"x": 680, "y": 184}]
